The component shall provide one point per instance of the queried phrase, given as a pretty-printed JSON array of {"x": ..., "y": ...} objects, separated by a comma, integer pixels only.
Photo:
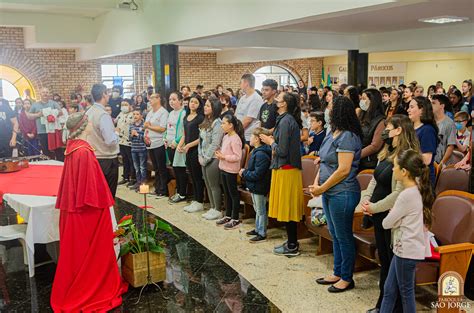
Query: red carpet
[{"x": 38, "y": 180}]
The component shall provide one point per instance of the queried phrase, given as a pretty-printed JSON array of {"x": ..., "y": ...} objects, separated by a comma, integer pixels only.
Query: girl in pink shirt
[{"x": 229, "y": 157}]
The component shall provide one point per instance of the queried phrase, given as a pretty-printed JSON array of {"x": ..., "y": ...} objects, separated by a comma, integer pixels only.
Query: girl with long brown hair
[
  {"x": 407, "y": 219},
  {"x": 379, "y": 197}
]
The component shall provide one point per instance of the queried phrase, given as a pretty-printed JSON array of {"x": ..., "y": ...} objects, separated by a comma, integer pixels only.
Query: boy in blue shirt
[
  {"x": 139, "y": 155},
  {"x": 257, "y": 179},
  {"x": 316, "y": 134}
]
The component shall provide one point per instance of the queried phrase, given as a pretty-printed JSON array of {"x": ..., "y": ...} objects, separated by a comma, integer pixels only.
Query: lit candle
[{"x": 144, "y": 188}]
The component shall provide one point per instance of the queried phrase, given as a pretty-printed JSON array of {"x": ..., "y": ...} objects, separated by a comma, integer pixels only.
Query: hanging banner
[{"x": 380, "y": 74}]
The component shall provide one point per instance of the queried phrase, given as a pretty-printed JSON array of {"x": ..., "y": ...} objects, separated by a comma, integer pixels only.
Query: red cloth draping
[
  {"x": 55, "y": 140},
  {"x": 87, "y": 277},
  {"x": 37, "y": 180}
]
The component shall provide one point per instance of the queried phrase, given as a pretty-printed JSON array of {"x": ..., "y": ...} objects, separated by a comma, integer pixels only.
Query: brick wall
[{"x": 58, "y": 70}]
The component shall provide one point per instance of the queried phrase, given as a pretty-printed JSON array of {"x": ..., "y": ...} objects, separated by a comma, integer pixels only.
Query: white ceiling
[
  {"x": 387, "y": 19},
  {"x": 79, "y": 8}
]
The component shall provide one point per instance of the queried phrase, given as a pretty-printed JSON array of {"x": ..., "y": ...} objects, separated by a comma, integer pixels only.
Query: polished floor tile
[{"x": 197, "y": 280}]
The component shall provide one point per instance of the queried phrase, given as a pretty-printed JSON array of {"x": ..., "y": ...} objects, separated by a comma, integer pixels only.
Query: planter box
[{"x": 134, "y": 268}]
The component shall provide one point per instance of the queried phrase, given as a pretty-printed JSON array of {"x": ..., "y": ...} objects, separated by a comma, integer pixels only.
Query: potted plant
[{"x": 134, "y": 247}]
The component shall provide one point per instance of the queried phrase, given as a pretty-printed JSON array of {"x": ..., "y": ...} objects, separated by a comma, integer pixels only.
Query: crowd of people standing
[{"x": 400, "y": 132}]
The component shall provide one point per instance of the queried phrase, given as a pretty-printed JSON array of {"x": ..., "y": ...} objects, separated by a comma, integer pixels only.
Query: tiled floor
[
  {"x": 197, "y": 280},
  {"x": 208, "y": 270}
]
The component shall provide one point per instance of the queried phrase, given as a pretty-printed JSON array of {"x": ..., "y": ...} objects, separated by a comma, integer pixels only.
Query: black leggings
[
  {"x": 128, "y": 170},
  {"x": 179, "y": 174},
  {"x": 292, "y": 233},
  {"x": 192, "y": 162},
  {"x": 229, "y": 181},
  {"x": 158, "y": 158}
]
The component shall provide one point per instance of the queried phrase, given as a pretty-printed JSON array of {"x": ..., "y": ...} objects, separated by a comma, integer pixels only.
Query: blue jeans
[
  {"x": 401, "y": 278},
  {"x": 339, "y": 210},
  {"x": 139, "y": 162},
  {"x": 261, "y": 216}
]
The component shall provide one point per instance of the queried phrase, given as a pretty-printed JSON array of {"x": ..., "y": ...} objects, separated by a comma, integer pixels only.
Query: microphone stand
[{"x": 149, "y": 277}]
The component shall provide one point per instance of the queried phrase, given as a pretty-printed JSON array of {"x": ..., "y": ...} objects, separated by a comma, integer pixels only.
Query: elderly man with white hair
[{"x": 46, "y": 113}]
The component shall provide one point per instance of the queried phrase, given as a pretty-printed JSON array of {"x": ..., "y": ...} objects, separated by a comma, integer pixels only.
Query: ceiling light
[
  {"x": 443, "y": 19},
  {"x": 211, "y": 49}
]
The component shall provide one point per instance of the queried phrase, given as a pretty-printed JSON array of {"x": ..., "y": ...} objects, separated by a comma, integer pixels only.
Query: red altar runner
[{"x": 37, "y": 180}]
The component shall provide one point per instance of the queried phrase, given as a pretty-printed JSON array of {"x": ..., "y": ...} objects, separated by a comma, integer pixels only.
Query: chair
[
  {"x": 456, "y": 157},
  {"x": 452, "y": 179},
  {"x": 453, "y": 226},
  {"x": 364, "y": 178},
  {"x": 18, "y": 231}
]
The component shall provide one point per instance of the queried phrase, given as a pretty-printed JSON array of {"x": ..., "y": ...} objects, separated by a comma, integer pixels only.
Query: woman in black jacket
[{"x": 286, "y": 189}]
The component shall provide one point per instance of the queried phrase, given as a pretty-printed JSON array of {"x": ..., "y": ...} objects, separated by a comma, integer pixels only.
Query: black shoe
[
  {"x": 322, "y": 281},
  {"x": 374, "y": 310},
  {"x": 336, "y": 290},
  {"x": 257, "y": 239},
  {"x": 251, "y": 233},
  {"x": 123, "y": 181},
  {"x": 131, "y": 183}
]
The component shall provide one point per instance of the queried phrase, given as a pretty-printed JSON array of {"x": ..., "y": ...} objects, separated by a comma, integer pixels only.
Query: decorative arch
[
  {"x": 283, "y": 74},
  {"x": 25, "y": 66},
  {"x": 18, "y": 80}
]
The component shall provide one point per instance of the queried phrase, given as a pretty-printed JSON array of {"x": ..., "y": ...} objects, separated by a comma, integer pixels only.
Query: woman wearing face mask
[
  {"x": 124, "y": 120},
  {"x": 379, "y": 197},
  {"x": 372, "y": 120}
]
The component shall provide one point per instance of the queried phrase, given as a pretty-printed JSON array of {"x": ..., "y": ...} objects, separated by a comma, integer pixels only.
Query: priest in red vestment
[{"x": 87, "y": 276}]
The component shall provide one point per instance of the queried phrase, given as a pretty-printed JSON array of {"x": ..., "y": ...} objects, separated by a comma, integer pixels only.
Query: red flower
[
  {"x": 51, "y": 118},
  {"x": 126, "y": 217}
]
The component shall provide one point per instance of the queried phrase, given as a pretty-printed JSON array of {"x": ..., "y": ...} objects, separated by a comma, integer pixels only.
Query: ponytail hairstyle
[
  {"x": 293, "y": 107},
  {"x": 412, "y": 161},
  {"x": 238, "y": 127}
]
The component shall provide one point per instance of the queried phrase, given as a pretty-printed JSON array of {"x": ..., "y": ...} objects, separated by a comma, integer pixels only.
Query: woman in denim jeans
[{"x": 337, "y": 183}]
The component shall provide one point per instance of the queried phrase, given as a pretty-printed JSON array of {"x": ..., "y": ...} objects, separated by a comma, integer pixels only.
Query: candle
[{"x": 144, "y": 188}]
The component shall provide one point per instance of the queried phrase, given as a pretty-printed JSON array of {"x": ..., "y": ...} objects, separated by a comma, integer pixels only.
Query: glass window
[
  {"x": 10, "y": 92},
  {"x": 119, "y": 72},
  {"x": 278, "y": 73}
]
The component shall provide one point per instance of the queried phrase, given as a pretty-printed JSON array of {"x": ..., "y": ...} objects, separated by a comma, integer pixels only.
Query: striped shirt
[{"x": 138, "y": 142}]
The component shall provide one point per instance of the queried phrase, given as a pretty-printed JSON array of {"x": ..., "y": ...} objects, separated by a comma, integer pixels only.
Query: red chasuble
[{"x": 87, "y": 276}]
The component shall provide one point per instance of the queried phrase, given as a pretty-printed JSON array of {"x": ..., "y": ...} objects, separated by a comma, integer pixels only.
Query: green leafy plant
[{"x": 133, "y": 239}]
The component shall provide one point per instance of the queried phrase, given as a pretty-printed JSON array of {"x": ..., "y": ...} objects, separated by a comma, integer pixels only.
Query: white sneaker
[
  {"x": 195, "y": 208},
  {"x": 207, "y": 212},
  {"x": 186, "y": 208},
  {"x": 213, "y": 214}
]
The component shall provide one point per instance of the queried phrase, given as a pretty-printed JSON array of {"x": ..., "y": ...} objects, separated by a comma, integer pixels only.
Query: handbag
[{"x": 318, "y": 218}]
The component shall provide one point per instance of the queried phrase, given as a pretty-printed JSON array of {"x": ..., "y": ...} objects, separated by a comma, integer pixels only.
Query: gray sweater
[{"x": 209, "y": 142}]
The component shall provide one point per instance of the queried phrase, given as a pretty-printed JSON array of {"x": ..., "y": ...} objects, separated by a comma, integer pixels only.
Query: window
[
  {"x": 281, "y": 75},
  {"x": 119, "y": 74}
]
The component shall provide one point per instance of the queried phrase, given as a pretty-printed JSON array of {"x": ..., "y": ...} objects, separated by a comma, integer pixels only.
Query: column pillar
[
  {"x": 357, "y": 68},
  {"x": 165, "y": 69}
]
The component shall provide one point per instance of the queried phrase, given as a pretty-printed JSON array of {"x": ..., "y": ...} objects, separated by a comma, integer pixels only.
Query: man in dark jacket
[
  {"x": 115, "y": 100},
  {"x": 257, "y": 179}
]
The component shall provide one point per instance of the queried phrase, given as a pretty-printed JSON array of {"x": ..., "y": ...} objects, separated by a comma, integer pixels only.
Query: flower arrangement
[{"x": 133, "y": 239}]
